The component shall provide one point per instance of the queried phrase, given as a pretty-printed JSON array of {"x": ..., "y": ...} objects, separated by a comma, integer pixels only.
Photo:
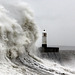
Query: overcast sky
[{"x": 58, "y": 18}]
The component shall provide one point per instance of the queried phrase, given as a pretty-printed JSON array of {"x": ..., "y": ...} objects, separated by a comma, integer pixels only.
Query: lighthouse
[
  {"x": 44, "y": 44},
  {"x": 44, "y": 39}
]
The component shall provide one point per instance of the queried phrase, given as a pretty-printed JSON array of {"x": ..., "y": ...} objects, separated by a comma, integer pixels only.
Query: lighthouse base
[
  {"x": 52, "y": 49},
  {"x": 49, "y": 49},
  {"x": 44, "y": 46}
]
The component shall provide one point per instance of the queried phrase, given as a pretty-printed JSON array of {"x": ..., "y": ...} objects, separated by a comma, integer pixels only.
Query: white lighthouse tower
[{"x": 44, "y": 39}]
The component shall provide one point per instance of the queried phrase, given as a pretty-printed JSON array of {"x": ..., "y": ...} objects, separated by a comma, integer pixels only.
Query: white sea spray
[{"x": 18, "y": 35}]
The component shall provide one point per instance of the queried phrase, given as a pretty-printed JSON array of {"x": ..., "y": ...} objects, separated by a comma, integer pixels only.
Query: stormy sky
[{"x": 58, "y": 18}]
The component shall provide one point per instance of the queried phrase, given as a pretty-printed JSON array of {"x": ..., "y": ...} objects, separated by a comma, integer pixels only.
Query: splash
[
  {"x": 18, "y": 35},
  {"x": 15, "y": 38}
]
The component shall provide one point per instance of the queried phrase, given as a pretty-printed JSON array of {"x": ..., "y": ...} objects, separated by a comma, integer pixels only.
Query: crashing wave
[{"x": 18, "y": 35}]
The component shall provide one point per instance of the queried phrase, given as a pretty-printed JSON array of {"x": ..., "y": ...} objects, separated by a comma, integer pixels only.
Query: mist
[{"x": 19, "y": 33}]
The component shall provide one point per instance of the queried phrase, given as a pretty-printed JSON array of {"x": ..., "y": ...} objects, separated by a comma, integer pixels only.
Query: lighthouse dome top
[{"x": 44, "y": 31}]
